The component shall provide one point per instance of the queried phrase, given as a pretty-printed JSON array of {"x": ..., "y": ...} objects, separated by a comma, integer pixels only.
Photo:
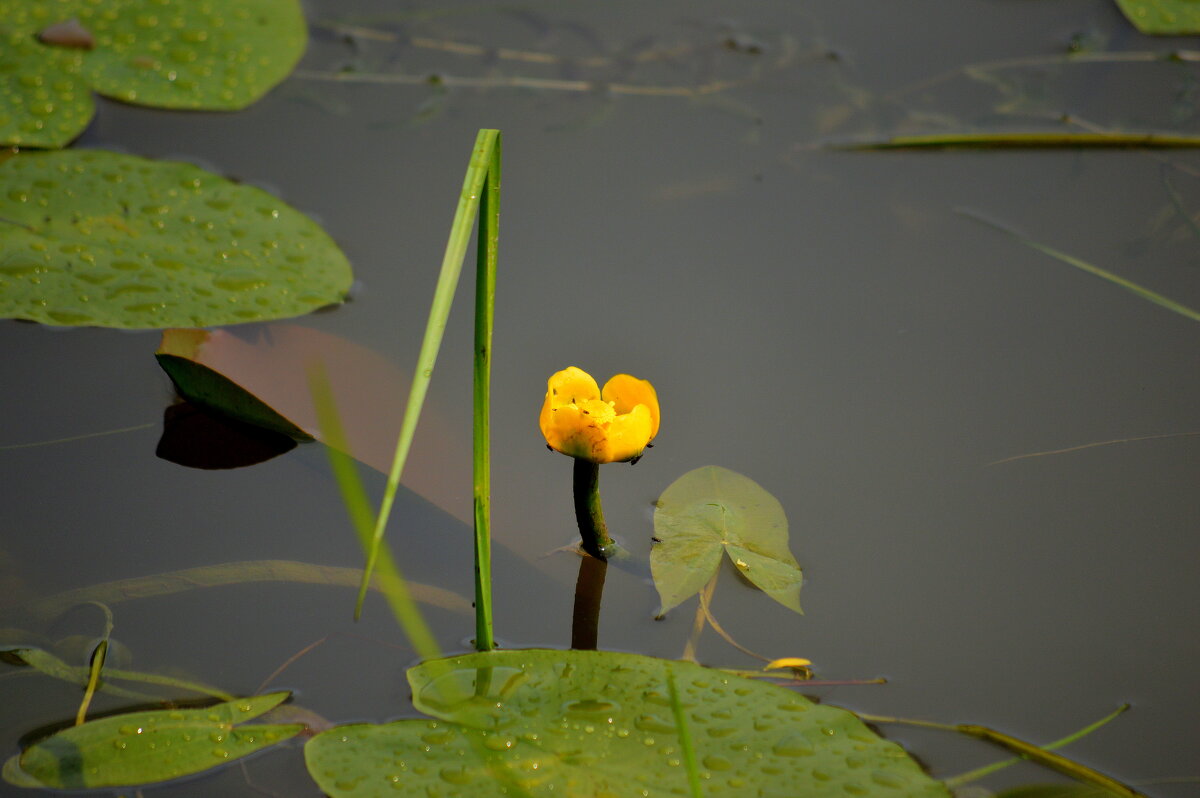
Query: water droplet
[
  {"x": 714, "y": 762},
  {"x": 220, "y": 753},
  {"x": 456, "y": 775},
  {"x": 885, "y": 779},
  {"x": 654, "y": 723},
  {"x": 793, "y": 746},
  {"x": 240, "y": 281},
  {"x": 120, "y": 745},
  {"x": 497, "y": 742}
]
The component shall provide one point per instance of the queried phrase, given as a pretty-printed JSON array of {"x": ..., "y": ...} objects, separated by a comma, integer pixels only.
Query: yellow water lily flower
[{"x": 602, "y": 426}]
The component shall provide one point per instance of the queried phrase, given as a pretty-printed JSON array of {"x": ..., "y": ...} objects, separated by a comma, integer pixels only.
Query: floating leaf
[
  {"x": 215, "y": 55},
  {"x": 713, "y": 509},
  {"x": 98, "y": 238},
  {"x": 147, "y": 747},
  {"x": 1169, "y": 17},
  {"x": 546, "y": 723},
  {"x": 179, "y": 355}
]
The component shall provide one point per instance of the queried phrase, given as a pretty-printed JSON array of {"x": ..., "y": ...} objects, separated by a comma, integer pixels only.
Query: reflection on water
[{"x": 820, "y": 321}]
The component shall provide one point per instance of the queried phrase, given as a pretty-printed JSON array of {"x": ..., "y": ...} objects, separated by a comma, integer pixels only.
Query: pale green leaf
[
  {"x": 148, "y": 747},
  {"x": 104, "y": 239},
  {"x": 550, "y": 723},
  {"x": 713, "y": 509},
  {"x": 1169, "y": 17},
  {"x": 215, "y": 55}
]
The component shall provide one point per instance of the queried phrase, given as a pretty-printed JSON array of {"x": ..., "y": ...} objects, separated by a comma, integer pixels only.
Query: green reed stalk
[
  {"x": 484, "y": 157},
  {"x": 485, "y": 306}
]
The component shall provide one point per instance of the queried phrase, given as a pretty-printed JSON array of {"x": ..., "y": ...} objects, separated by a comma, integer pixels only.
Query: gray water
[{"x": 820, "y": 320}]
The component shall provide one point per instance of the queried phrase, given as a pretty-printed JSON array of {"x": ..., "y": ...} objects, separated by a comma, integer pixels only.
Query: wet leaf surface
[
  {"x": 1168, "y": 17},
  {"x": 711, "y": 510},
  {"x": 217, "y": 55},
  {"x": 99, "y": 238},
  {"x": 148, "y": 747},
  {"x": 543, "y": 722}
]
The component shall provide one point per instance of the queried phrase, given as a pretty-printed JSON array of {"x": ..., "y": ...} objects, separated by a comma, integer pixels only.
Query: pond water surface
[{"x": 820, "y": 320}]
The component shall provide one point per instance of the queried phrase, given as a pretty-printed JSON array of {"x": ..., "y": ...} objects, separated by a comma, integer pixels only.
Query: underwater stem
[{"x": 588, "y": 512}]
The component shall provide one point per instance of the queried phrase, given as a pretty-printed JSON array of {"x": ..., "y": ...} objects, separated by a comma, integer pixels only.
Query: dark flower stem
[
  {"x": 585, "y": 619},
  {"x": 588, "y": 513}
]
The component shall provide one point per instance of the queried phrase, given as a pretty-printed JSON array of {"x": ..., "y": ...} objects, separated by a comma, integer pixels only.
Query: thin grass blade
[{"x": 456, "y": 247}]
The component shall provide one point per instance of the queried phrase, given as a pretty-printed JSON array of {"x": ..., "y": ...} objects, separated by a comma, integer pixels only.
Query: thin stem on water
[
  {"x": 589, "y": 515},
  {"x": 485, "y": 301}
]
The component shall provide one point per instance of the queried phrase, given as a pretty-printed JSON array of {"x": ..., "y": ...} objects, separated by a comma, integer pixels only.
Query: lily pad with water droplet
[
  {"x": 1166, "y": 17},
  {"x": 109, "y": 240},
  {"x": 148, "y": 747},
  {"x": 549, "y": 723},
  {"x": 711, "y": 510},
  {"x": 213, "y": 55}
]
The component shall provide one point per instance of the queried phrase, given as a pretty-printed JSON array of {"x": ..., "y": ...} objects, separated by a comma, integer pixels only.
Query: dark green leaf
[
  {"x": 547, "y": 723},
  {"x": 713, "y": 509},
  {"x": 98, "y": 238}
]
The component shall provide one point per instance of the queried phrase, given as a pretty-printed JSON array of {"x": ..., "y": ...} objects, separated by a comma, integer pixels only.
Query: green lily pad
[
  {"x": 549, "y": 723},
  {"x": 712, "y": 510},
  {"x": 212, "y": 55},
  {"x": 98, "y": 238},
  {"x": 1168, "y": 17},
  {"x": 148, "y": 747}
]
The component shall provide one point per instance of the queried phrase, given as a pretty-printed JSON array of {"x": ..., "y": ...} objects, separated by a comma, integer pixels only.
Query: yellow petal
[
  {"x": 627, "y": 392},
  {"x": 628, "y": 435},
  {"x": 571, "y": 386},
  {"x": 570, "y": 430}
]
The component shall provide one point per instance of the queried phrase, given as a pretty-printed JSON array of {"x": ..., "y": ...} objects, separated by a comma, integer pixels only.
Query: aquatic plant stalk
[
  {"x": 589, "y": 515},
  {"x": 1041, "y": 754},
  {"x": 95, "y": 666},
  {"x": 1144, "y": 293},
  {"x": 439, "y": 312},
  {"x": 1029, "y": 140},
  {"x": 485, "y": 311},
  {"x": 978, "y": 773}
]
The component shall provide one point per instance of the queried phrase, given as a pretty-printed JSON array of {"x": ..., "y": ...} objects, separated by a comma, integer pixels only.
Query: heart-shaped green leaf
[
  {"x": 148, "y": 747},
  {"x": 550, "y": 723},
  {"x": 1168, "y": 17},
  {"x": 99, "y": 238},
  {"x": 214, "y": 55},
  {"x": 713, "y": 509}
]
